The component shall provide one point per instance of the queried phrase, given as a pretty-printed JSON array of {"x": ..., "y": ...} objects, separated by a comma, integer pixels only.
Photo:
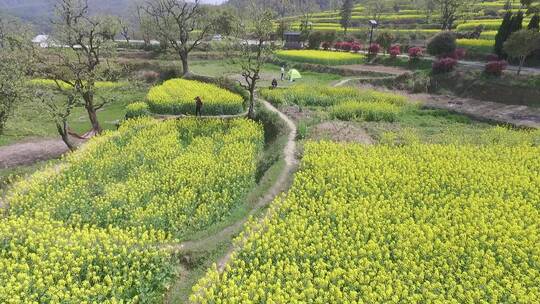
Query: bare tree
[
  {"x": 125, "y": 29},
  {"x": 79, "y": 44},
  {"x": 257, "y": 29},
  {"x": 451, "y": 10},
  {"x": 182, "y": 24}
]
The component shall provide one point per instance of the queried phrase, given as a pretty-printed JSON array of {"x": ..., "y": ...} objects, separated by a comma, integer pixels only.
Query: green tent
[{"x": 293, "y": 74}]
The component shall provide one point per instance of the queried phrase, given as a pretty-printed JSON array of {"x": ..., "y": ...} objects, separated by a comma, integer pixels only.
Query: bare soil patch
[
  {"x": 30, "y": 152},
  {"x": 340, "y": 131}
]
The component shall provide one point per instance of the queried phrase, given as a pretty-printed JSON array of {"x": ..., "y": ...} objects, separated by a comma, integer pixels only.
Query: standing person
[
  {"x": 198, "y": 106},
  {"x": 282, "y": 72}
]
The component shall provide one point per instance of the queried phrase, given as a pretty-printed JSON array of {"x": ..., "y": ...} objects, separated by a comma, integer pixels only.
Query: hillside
[{"x": 39, "y": 12}]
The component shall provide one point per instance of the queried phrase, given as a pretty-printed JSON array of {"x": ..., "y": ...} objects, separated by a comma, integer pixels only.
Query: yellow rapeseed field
[{"x": 382, "y": 224}]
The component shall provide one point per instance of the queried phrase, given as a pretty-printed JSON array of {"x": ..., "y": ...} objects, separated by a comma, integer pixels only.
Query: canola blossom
[
  {"x": 320, "y": 57},
  {"x": 322, "y": 96},
  {"x": 368, "y": 111},
  {"x": 383, "y": 224},
  {"x": 176, "y": 96},
  {"x": 177, "y": 176},
  {"x": 42, "y": 261}
]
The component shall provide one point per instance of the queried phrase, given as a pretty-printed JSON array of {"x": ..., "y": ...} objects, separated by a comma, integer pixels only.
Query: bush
[
  {"x": 492, "y": 57},
  {"x": 356, "y": 47},
  {"x": 326, "y": 45},
  {"x": 137, "y": 109},
  {"x": 442, "y": 44},
  {"x": 385, "y": 39},
  {"x": 374, "y": 48},
  {"x": 415, "y": 52},
  {"x": 444, "y": 65},
  {"x": 495, "y": 68},
  {"x": 395, "y": 50},
  {"x": 315, "y": 39}
]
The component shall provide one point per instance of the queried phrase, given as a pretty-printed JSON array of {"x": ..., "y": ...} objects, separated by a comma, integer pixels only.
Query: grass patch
[{"x": 368, "y": 111}]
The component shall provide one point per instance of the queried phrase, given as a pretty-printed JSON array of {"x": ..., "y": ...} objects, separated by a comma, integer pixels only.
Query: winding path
[
  {"x": 30, "y": 152},
  {"x": 280, "y": 185}
]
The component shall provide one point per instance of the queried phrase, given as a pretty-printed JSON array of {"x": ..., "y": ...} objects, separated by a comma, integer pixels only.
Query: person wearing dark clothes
[
  {"x": 198, "y": 106},
  {"x": 274, "y": 83}
]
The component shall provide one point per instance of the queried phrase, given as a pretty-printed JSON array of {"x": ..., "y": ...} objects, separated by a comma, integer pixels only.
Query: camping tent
[{"x": 293, "y": 74}]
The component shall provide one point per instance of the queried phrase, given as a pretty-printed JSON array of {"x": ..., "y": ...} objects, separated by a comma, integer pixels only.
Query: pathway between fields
[
  {"x": 280, "y": 185},
  {"x": 30, "y": 152},
  {"x": 517, "y": 115}
]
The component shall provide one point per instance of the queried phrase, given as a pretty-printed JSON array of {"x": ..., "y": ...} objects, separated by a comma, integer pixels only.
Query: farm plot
[
  {"x": 91, "y": 230},
  {"x": 177, "y": 96},
  {"x": 320, "y": 57},
  {"x": 345, "y": 103},
  {"x": 175, "y": 176},
  {"x": 418, "y": 223}
]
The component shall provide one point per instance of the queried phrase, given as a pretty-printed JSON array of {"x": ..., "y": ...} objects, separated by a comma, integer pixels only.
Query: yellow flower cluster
[
  {"x": 320, "y": 57},
  {"x": 328, "y": 96},
  {"x": 177, "y": 176},
  {"x": 380, "y": 224},
  {"x": 43, "y": 261},
  {"x": 177, "y": 96}
]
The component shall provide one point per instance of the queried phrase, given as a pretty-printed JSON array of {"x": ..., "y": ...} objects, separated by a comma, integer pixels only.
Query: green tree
[
  {"x": 385, "y": 39},
  {"x": 521, "y": 44},
  {"x": 346, "y": 14},
  {"x": 502, "y": 34},
  {"x": 15, "y": 61},
  {"x": 534, "y": 24}
]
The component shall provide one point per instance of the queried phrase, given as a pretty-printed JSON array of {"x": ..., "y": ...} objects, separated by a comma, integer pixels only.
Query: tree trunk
[
  {"x": 3, "y": 120},
  {"x": 185, "y": 65},
  {"x": 62, "y": 130},
  {"x": 251, "y": 108},
  {"x": 521, "y": 62},
  {"x": 92, "y": 113}
]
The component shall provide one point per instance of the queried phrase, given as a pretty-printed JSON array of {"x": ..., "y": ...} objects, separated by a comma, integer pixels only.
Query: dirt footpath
[{"x": 27, "y": 153}]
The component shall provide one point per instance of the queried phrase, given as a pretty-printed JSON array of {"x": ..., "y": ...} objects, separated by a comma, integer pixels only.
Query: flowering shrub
[
  {"x": 415, "y": 53},
  {"x": 356, "y": 47},
  {"x": 461, "y": 53},
  {"x": 346, "y": 46},
  {"x": 338, "y": 45},
  {"x": 492, "y": 57},
  {"x": 374, "y": 48},
  {"x": 495, "y": 68},
  {"x": 444, "y": 65},
  {"x": 137, "y": 109},
  {"x": 395, "y": 50}
]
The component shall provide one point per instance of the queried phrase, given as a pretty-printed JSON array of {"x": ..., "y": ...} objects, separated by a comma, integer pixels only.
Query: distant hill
[{"x": 40, "y": 12}]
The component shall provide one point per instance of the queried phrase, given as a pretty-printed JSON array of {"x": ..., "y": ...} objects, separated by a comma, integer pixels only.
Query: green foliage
[
  {"x": 315, "y": 39},
  {"x": 137, "y": 109},
  {"x": 367, "y": 111},
  {"x": 503, "y": 33},
  {"x": 385, "y": 40},
  {"x": 441, "y": 44},
  {"x": 345, "y": 14},
  {"x": 534, "y": 24},
  {"x": 522, "y": 44}
]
